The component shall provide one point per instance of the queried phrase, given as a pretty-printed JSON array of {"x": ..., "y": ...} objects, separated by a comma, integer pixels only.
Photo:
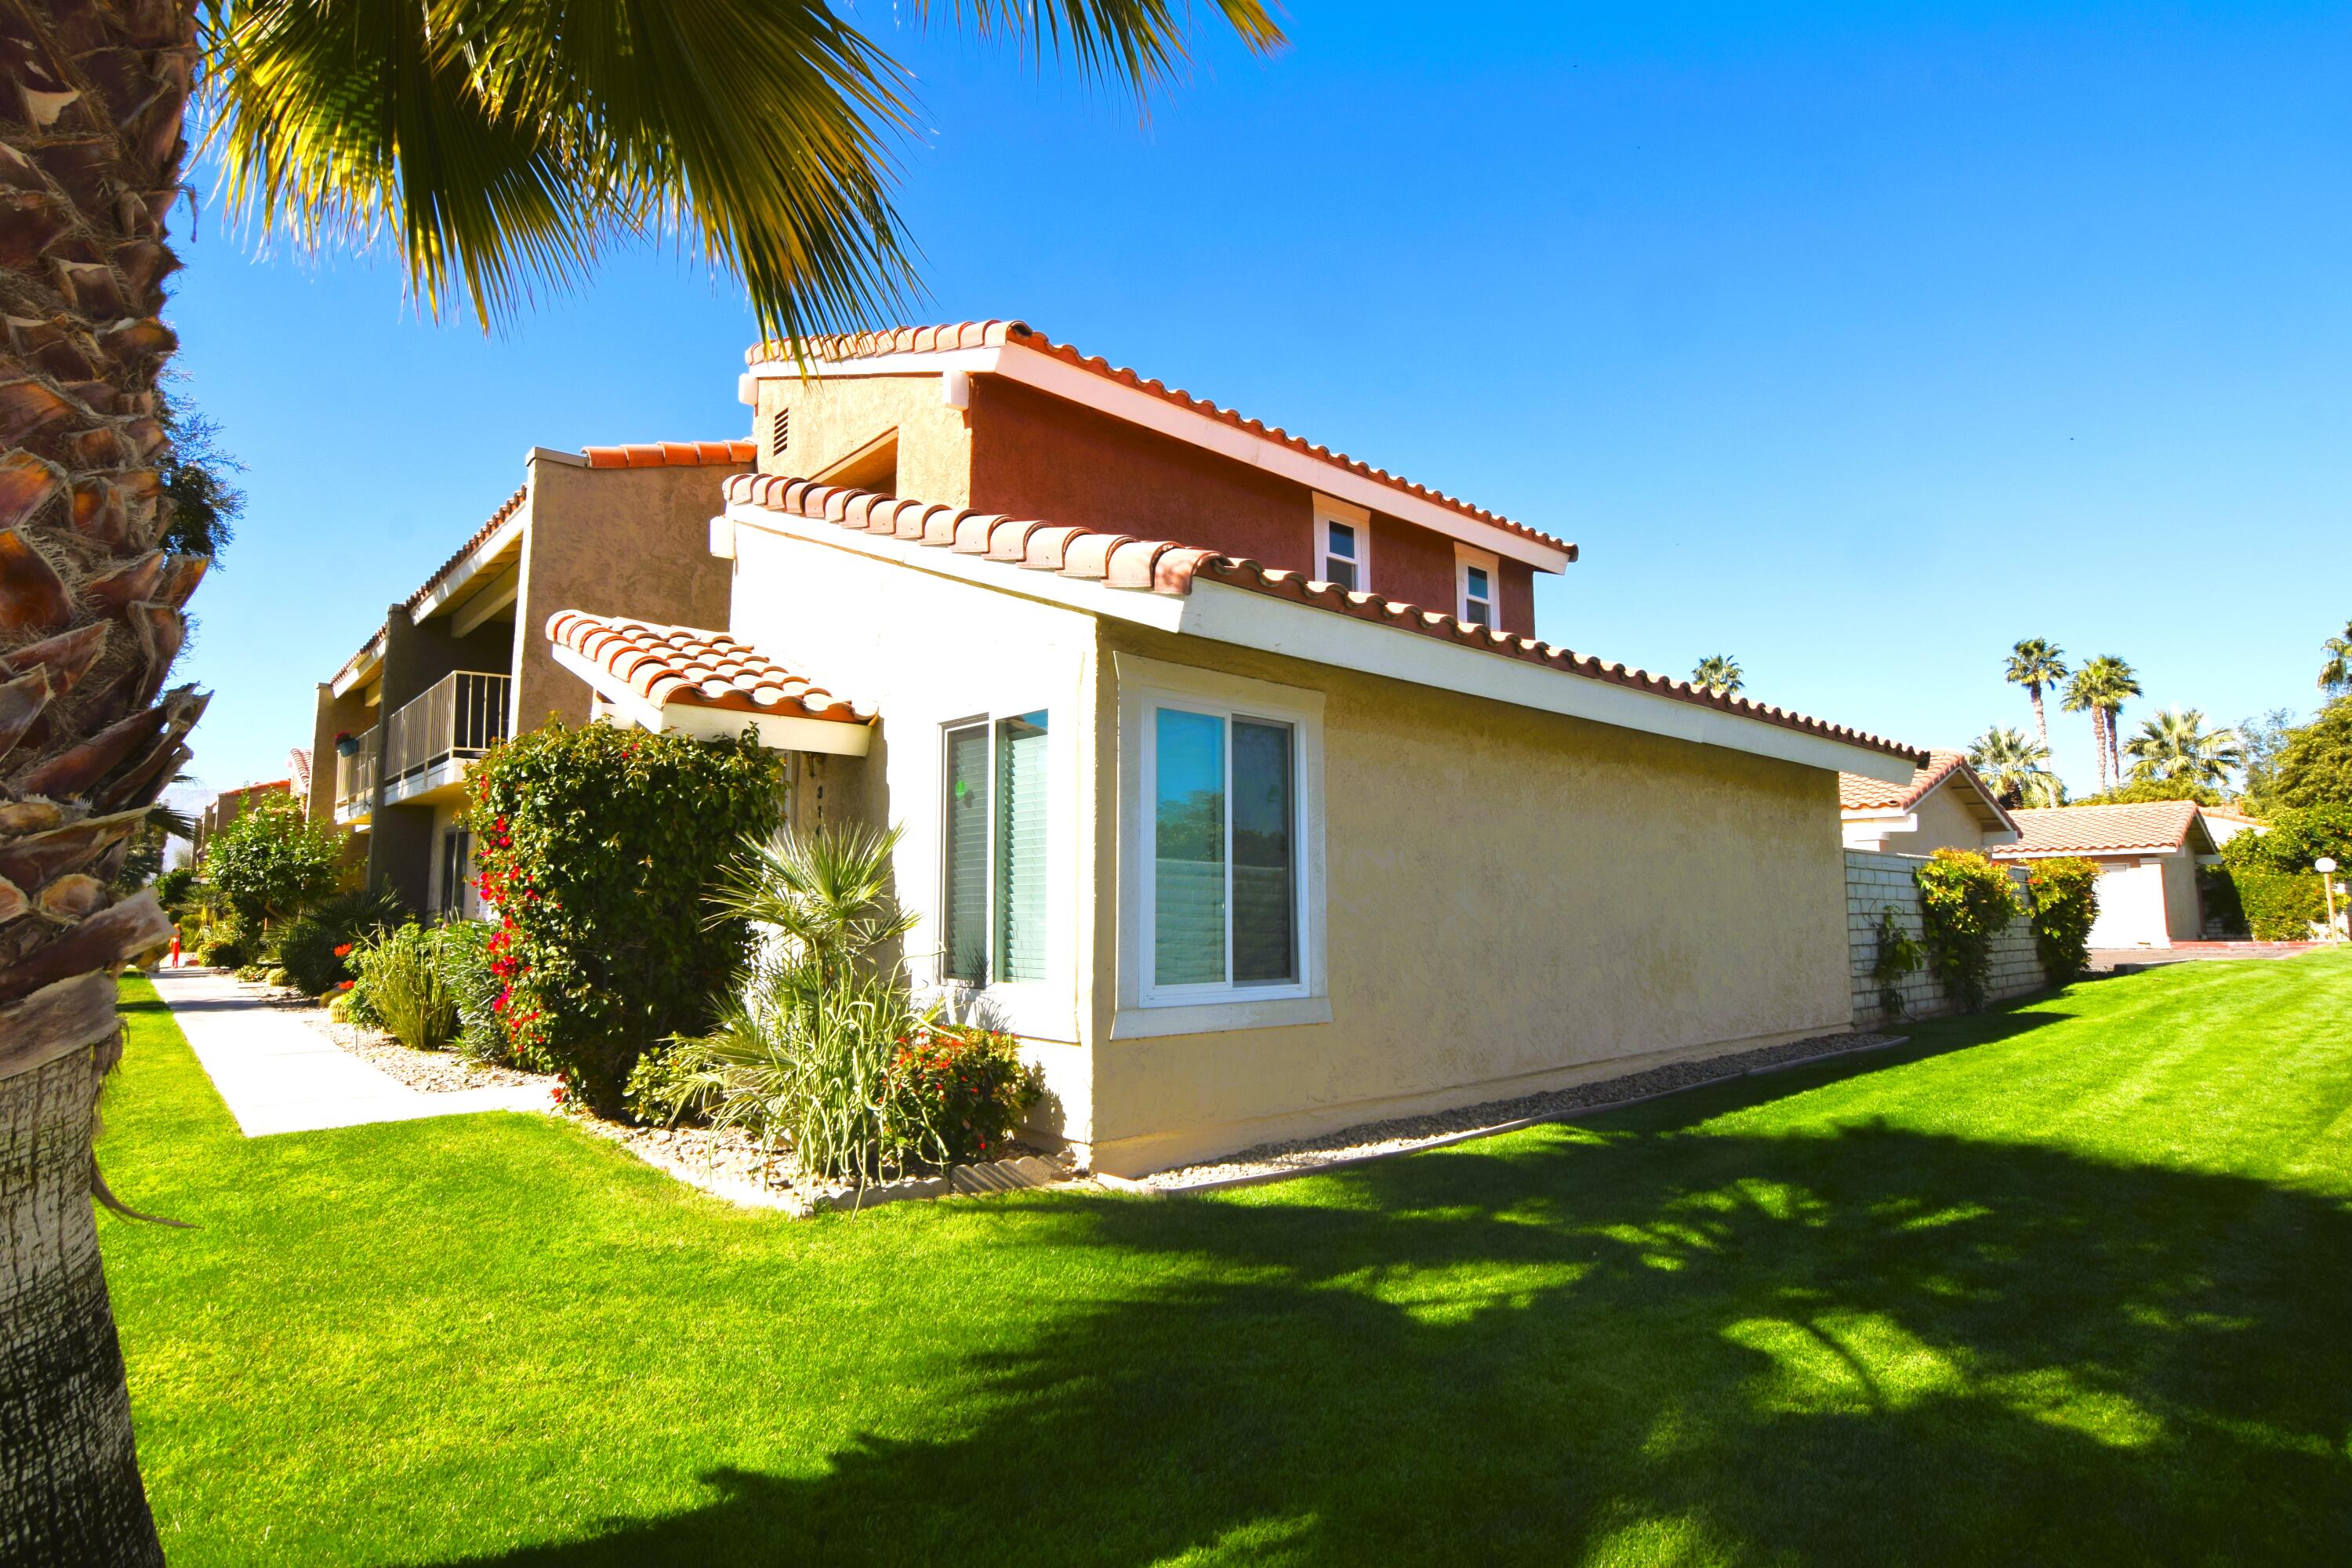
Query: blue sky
[{"x": 1856, "y": 346}]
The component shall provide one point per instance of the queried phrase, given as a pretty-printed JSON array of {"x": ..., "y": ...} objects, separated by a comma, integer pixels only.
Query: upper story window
[
  {"x": 993, "y": 904},
  {"x": 1343, "y": 545},
  {"x": 1477, "y": 587}
]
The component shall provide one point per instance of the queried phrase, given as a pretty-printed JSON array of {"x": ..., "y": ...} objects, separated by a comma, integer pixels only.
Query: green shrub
[
  {"x": 964, "y": 1091},
  {"x": 670, "y": 1084},
  {"x": 273, "y": 862},
  {"x": 1899, "y": 956},
  {"x": 464, "y": 955},
  {"x": 317, "y": 947},
  {"x": 2315, "y": 767},
  {"x": 400, "y": 981},
  {"x": 2276, "y": 906},
  {"x": 2267, "y": 879},
  {"x": 2217, "y": 894},
  {"x": 222, "y": 953},
  {"x": 1965, "y": 900},
  {"x": 278, "y": 977},
  {"x": 252, "y": 973},
  {"x": 173, "y": 888},
  {"x": 596, "y": 846},
  {"x": 2064, "y": 896}
]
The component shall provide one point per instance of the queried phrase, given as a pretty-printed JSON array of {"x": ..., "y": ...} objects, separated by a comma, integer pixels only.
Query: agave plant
[{"x": 490, "y": 145}]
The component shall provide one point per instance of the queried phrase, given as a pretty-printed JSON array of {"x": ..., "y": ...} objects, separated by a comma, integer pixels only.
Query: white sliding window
[
  {"x": 1343, "y": 544},
  {"x": 992, "y": 881},
  {"x": 1224, "y": 830}
]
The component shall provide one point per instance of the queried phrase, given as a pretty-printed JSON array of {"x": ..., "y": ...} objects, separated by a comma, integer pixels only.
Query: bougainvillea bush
[
  {"x": 2064, "y": 895},
  {"x": 1965, "y": 900},
  {"x": 595, "y": 847}
]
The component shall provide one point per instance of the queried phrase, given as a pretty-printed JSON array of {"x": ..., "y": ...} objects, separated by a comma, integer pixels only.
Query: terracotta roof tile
[
  {"x": 671, "y": 454},
  {"x": 1159, "y": 567},
  {"x": 1856, "y": 792},
  {"x": 2101, "y": 829},
  {"x": 698, "y": 668},
  {"x": 497, "y": 519},
  {"x": 996, "y": 334}
]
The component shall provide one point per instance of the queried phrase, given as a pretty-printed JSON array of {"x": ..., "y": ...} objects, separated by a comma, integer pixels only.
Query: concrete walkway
[{"x": 280, "y": 1075}]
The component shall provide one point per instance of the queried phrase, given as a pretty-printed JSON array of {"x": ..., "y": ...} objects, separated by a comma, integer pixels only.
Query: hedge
[
  {"x": 1965, "y": 900},
  {"x": 596, "y": 846},
  {"x": 2063, "y": 897}
]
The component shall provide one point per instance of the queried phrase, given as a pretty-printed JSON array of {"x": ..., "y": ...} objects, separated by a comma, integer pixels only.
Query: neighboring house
[
  {"x": 2224, "y": 823},
  {"x": 445, "y": 676},
  {"x": 1240, "y": 854},
  {"x": 1943, "y": 805},
  {"x": 228, "y": 806},
  {"x": 2146, "y": 855}
]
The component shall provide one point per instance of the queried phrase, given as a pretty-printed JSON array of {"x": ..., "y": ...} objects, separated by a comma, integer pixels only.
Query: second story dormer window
[
  {"x": 1477, "y": 588},
  {"x": 1343, "y": 545}
]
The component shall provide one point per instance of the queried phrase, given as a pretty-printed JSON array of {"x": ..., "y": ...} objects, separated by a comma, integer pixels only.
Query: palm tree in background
[
  {"x": 2337, "y": 673},
  {"x": 2037, "y": 663},
  {"x": 2176, "y": 747},
  {"x": 1719, "y": 674},
  {"x": 492, "y": 146},
  {"x": 2016, "y": 768},
  {"x": 2100, "y": 689}
]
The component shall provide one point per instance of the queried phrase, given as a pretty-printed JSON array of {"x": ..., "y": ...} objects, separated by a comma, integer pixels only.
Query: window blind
[
  {"x": 1187, "y": 883},
  {"x": 966, "y": 922},
  {"x": 1264, "y": 944},
  {"x": 1020, "y": 849}
]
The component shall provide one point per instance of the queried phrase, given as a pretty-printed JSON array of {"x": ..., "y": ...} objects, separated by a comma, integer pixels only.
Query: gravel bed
[
  {"x": 1407, "y": 1132},
  {"x": 726, "y": 1163},
  {"x": 433, "y": 1072}
]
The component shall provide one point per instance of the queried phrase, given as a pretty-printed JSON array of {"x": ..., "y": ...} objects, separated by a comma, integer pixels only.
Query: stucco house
[
  {"x": 1231, "y": 775},
  {"x": 444, "y": 676},
  {"x": 2146, "y": 855},
  {"x": 2223, "y": 823},
  {"x": 1942, "y": 806}
]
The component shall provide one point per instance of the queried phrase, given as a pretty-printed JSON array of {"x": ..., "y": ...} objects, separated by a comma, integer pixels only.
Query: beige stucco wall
[
  {"x": 613, "y": 541},
  {"x": 2183, "y": 911},
  {"x": 928, "y": 652},
  {"x": 1944, "y": 823},
  {"x": 1515, "y": 900},
  {"x": 835, "y": 420}
]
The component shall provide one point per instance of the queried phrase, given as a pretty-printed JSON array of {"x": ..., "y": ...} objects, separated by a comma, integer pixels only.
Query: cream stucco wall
[
  {"x": 2132, "y": 901},
  {"x": 835, "y": 419},
  {"x": 930, "y": 652},
  {"x": 1944, "y": 823},
  {"x": 1515, "y": 901}
]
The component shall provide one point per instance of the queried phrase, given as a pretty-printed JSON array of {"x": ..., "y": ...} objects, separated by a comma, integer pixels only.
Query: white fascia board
[
  {"x": 1896, "y": 819},
  {"x": 484, "y": 553},
  {"x": 777, "y": 732},
  {"x": 357, "y": 671},
  {"x": 1132, "y": 406},
  {"x": 1255, "y": 620},
  {"x": 1225, "y": 614}
]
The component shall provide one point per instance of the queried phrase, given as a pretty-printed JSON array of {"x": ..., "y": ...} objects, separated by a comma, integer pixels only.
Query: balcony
[
  {"x": 355, "y": 778},
  {"x": 430, "y": 739}
]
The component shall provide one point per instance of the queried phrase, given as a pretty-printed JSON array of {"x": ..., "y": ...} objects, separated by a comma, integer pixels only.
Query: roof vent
[{"x": 781, "y": 431}]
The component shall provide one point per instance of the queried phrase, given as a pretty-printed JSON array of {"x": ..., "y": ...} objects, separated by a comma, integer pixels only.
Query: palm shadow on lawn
[{"x": 1863, "y": 1345}]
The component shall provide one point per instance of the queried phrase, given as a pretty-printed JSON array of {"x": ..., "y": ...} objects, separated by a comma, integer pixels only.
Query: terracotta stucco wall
[
  {"x": 332, "y": 715},
  {"x": 1037, "y": 455},
  {"x": 400, "y": 841},
  {"x": 1515, "y": 900},
  {"x": 613, "y": 541},
  {"x": 833, "y": 420}
]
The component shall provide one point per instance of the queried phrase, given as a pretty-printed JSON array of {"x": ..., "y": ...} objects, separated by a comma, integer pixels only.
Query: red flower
[
  {"x": 345, "y": 951},
  {"x": 344, "y": 985}
]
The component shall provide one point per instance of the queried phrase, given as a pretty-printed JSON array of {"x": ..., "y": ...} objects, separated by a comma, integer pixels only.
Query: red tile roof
[
  {"x": 2101, "y": 829},
  {"x": 497, "y": 519},
  {"x": 671, "y": 454},
  {"x": 1856, "y": 792},
  {"x": 1159, "y": 567},
  {"x": 996, "y": 334},
  {"x": 697, "y": 668}
]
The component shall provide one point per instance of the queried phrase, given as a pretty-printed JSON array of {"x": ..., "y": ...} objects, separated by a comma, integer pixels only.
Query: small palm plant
[
  {"x": 2176, "y": 747},
  {"x": 1719, "y": 674},
  {"x": 2016, "y": 768},
  {"x": 805, "y": 1049}
]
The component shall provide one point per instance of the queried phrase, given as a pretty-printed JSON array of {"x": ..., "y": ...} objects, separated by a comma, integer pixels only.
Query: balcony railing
[
  {"x": 355, "y": 778},
  {"x": 458, "y": 716}
]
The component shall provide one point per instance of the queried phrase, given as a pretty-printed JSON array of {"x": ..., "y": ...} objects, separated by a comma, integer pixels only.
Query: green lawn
[{"x": 2071, "y": 1283}]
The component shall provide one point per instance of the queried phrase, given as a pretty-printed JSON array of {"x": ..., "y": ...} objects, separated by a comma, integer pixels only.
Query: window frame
[
  {"x": 991, "y": 723},
  {"x": 1328, "y": 510},
  {"x": 1144, "y": 1007},
  {"x": 1466, "y": 557}
]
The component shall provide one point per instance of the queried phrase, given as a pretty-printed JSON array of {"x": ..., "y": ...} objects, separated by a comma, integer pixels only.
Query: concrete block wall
[{"x": 1874, "y": 882}]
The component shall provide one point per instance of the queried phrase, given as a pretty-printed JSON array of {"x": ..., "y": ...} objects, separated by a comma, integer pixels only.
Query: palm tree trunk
[
  {"x": 91, "y": 105},
  {"x": 2041, "y": 718},
  {"x": 2099, "y": 744}
]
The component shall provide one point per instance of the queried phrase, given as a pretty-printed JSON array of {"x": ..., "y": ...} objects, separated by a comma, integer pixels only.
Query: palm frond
[{"x": 1144, "y": 43}]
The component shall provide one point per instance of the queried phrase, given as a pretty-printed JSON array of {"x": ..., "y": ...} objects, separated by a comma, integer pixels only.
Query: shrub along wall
[{"x": 1875, "y": 883}]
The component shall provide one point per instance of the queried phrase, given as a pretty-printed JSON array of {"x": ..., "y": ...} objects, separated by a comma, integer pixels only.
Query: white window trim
[
  {"x": 1144, "y": 686},
  {"x": 1465, "y": 558},
  {"x": 1019, "y": 1005},
  {"x": 1328, "y": 510}
]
